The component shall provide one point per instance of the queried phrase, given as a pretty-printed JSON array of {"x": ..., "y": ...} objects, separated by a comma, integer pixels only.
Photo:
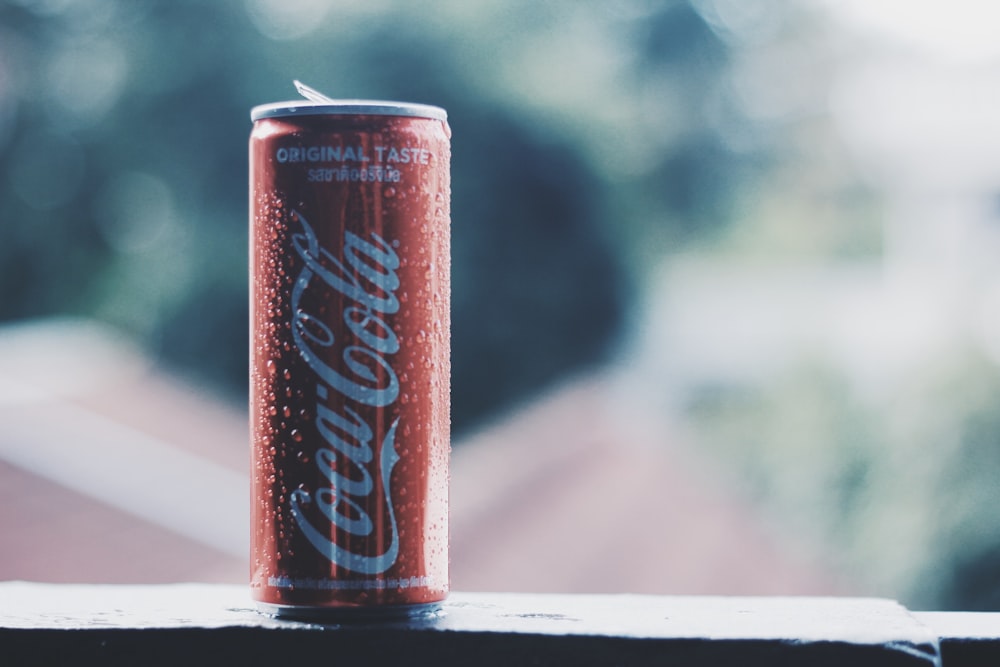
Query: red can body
[{"x": 350, "y": 357}]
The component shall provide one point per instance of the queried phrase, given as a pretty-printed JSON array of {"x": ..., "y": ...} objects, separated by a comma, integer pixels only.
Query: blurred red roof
[{"x": 112, "y": 470}]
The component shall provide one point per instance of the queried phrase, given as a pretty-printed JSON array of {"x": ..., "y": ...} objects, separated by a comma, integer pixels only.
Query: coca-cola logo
[{"x": 366, "y": 277}]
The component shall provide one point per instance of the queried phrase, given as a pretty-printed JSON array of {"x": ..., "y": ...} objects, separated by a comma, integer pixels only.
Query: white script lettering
[{"x": 367, "y": 277}]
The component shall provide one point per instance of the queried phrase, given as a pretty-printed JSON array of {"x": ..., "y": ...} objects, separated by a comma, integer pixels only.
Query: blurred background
[{"x": 765, "y": 233}]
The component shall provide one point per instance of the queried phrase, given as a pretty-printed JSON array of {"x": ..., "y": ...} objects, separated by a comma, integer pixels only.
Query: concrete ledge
[
  {"x": 967, "y": 639},
  {"x": 192, "y": 625}
]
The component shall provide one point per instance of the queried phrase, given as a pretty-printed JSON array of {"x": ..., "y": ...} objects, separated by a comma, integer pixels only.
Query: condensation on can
[{"x": 350, "y": 357}]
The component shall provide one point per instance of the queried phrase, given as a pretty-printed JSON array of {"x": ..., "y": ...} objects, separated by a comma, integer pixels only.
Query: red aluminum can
[{"x": 350, "y": 357}]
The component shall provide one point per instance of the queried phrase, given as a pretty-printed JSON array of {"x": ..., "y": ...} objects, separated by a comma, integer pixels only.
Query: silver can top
[{"x": 347, "y": 108}]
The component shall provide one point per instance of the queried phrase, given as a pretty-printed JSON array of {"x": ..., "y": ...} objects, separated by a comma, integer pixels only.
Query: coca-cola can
[{"x": 350, "y": 357}]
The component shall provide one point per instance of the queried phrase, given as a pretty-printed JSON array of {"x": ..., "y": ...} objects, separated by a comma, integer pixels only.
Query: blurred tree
[{"x": 123, "y": 130}]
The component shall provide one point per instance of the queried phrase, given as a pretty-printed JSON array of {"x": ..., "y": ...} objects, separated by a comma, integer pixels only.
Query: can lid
[{"x": 347, "y": 107}]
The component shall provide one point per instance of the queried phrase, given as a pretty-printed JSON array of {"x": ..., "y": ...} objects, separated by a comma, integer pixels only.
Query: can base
[{"x": 353, "y": 614}]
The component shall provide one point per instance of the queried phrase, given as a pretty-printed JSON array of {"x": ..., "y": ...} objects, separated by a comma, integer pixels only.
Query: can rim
[{"x": 347, "y": 107}]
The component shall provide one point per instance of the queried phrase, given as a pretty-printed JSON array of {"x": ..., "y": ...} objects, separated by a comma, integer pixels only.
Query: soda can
[{"x": 350, "y": 357}]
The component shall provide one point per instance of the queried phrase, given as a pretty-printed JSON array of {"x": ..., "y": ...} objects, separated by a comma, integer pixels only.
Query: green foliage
[
  {"x": 123, "y": 130},
  {"x": 901, "y": 492}
]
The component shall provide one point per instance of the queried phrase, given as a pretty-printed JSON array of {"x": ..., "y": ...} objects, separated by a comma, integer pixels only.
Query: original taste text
[{"x": 388, "y": 155}]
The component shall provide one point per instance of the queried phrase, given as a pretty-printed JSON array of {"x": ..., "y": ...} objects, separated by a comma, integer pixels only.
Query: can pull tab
[{"x": 311, "y": 93}]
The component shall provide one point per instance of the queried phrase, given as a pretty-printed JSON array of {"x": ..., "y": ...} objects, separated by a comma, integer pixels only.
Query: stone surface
[
  {"x": 212, "y": 624},
  {"x": 967, "y": 639}
]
